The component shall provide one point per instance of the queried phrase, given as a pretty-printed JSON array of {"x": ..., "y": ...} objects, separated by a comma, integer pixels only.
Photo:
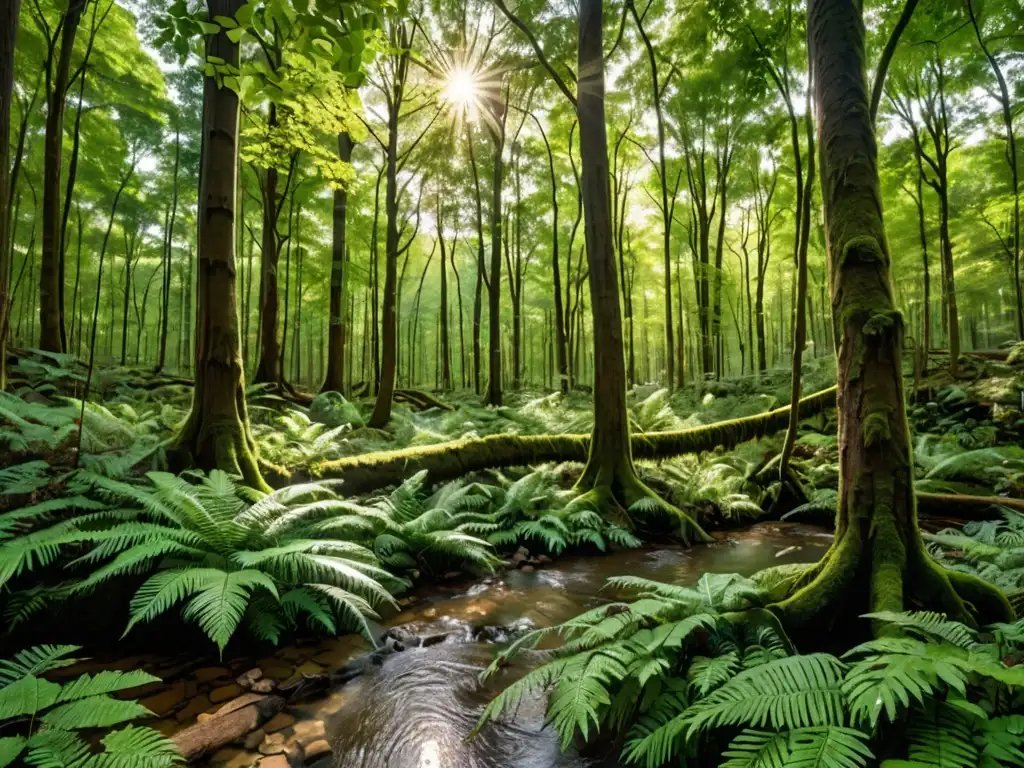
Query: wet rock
[
  {"x": 166, "y": 727},
  {"x": 519, "y": 557},
  {"x": 167, "y": 701},
  {"x": 233, "y": 758},
  {"x": 543, "y": 559},
  {"x": 309, "y": 668},
  {"x": 451, "y": 575},
  {"x": 273, "y": 745},
  {"x": 264, "y": 686},
  {"x": 278, "y": 722},
  {"x": 309, "y": 730},
  {"x": 317, "y": 749},
  {"x": 195, "y": 707},
  {"x": 225, "y": 692},
  {"x": 206, "y": 674},
  {"x": 254, "y": 739},
  {"x": 203, "y": 717},
  {"x": 274, "y": 761},
  {"x": 249, "y": 678},
  {"x": 527, "y": 569}
]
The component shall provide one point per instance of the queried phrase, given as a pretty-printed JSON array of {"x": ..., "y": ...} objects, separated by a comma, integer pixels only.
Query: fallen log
[
  {"x": 456, "y": 458},
  {"x": 230, "y": 723},
  {"x": 420, "y": 399},
  {"x": 959, "y": 507}
]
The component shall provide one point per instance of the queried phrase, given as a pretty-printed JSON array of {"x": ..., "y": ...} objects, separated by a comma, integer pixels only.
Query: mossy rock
[{"x": 332, "y": 409}]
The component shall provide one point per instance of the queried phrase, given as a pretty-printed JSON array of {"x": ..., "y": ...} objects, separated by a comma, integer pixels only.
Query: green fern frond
[
  {"x": 940, "y": 735},
  {"x": 928, "y": 626},
  {"x": 36, "y": 661},
  {"x": 135, "y": 747}
]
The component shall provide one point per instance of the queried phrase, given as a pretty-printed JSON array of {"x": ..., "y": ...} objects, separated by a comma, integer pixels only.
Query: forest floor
[{"x": 967, "y": 439}]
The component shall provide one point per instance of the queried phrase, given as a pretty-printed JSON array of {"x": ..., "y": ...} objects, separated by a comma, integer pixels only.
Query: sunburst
[{"x": 470, "y": 90}]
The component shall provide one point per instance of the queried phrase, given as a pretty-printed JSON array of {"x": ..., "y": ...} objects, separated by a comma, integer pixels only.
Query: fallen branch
[
  {"x": 444, "y": 461},
  {"x": 965, "y": 507},
  {"x": 233, "y": 721},
  {"x": 420, "y": 399}
]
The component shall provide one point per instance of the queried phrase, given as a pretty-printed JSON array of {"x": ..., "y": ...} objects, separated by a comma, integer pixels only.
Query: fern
[{"x": 82, "y": 703}]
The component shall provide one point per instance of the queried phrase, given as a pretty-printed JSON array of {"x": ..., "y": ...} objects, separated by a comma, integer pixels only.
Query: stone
[
  {"x": 272, "y": 744},
  {"x": 309, "y": 668},
  {"x": 167, "y": 701},
  {"x": 265, "y": 685},
  {"x": 527, "y": 569},
  {"x": 204, "y": 717},
  {"x": 225, "y": 692},
  {"x": 278, "y": 722},
  {"x": 277, "y": 671},
  {"x": 542, "y": 559},
  {"x": 518, "y": 557},
  {"x": 317, "y": 748},
  {"x": 166, "y": 727},
  {"x": 229, "y": 757},
  {"x": 254, "y": 739},
  {"x": 291, "y": 654},
  {"x": 206, "y": 674},
  {"x": 333, "y": 410},
  {"x": 249, "y": 677},
  {"x": 196, "y": 706},
  {"x": 308, "y": 730},
  {"x": 274, "y": 761}
]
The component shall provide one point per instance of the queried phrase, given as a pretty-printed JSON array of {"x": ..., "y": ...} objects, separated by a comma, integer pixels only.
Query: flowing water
[{"x": 417, "y": 708}]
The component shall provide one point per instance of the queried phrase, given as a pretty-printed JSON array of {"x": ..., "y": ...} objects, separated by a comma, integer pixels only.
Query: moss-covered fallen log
[
  {"x": 959, "y": 507},
  {"x": 459, "y": 457}
]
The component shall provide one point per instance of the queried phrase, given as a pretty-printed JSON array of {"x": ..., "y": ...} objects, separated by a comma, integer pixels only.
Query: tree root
[
  {"x": 832, "y": 591},
  {"x": 444, "y": 461}
]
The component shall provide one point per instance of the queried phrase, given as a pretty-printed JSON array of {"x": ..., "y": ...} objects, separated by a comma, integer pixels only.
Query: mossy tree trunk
[
  {"x": 216, "y": 433},
  {"x": 334, "y": 379},
  {"x": 8, "y": 36},
  {"x": 877, "y": 560},
  {"x": 609, "y": 475}
]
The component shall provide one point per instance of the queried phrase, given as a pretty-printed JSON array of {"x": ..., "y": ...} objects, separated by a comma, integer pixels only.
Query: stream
[{"x": 416, "y": 709}]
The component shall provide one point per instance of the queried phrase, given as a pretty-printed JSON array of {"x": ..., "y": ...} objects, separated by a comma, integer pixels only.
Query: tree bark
[
  {"x": 216, "y": 433},
  {"x": 8, "y": 37},
  {"x": 334, "y": 381},
  {"x": 381, "y": 414},
  {"x": 877, "y": 561},
  {"x": 494, "y": 272},
  {"x": 51, "y": 332}
]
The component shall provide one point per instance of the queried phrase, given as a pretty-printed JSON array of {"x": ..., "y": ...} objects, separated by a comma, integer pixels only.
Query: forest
[{"x": 511, "y": 384}]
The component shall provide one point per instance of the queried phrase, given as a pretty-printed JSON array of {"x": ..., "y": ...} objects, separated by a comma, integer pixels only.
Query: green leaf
[
  {"x": 10, "y": 748},
  {"x": 94, "y": 712},
  {"x": 27, "y": 696}
]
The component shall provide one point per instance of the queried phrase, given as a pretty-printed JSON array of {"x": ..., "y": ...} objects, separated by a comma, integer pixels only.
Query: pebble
[
  {"x": 278, "y": 722},
  {"x": 527, "y": 569}
]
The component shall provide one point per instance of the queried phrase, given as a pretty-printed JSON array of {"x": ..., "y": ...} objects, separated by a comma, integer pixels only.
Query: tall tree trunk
[
  {"x": 494, "y": 272},
  {"x": 479, "y": 285},
  {"x": 216, "y": 433},
  {"x": 165, "y": 307},
  {"x": 609, "y": 474},
  {"x": 8, "y": 36},
  {"x": 381, "y": 414},
  {"x": 268, "y": 370},
  {"x": 51, "y": 332},
  {"x": 877, "y": 561},
  {"x": 129, "y": 259},
  {"x": 334, "y": 380}
]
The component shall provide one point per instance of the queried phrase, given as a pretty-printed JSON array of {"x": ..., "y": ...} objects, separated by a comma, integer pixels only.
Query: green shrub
[{"x": 43, "y": 721}]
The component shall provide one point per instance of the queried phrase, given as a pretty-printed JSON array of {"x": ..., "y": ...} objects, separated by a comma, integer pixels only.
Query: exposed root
[
  {"x": 419, "y": 399},
  {"x": 897, "y": 581}
]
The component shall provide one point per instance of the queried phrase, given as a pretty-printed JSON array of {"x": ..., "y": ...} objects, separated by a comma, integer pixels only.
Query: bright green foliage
[
  {"x": 42, "y": 719},
  {"x": 224, "y": 551},
  {"x": 536, "y": 511},
  {"x": 682, "y": 666},
  {"x": 992, "y": 549}
]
